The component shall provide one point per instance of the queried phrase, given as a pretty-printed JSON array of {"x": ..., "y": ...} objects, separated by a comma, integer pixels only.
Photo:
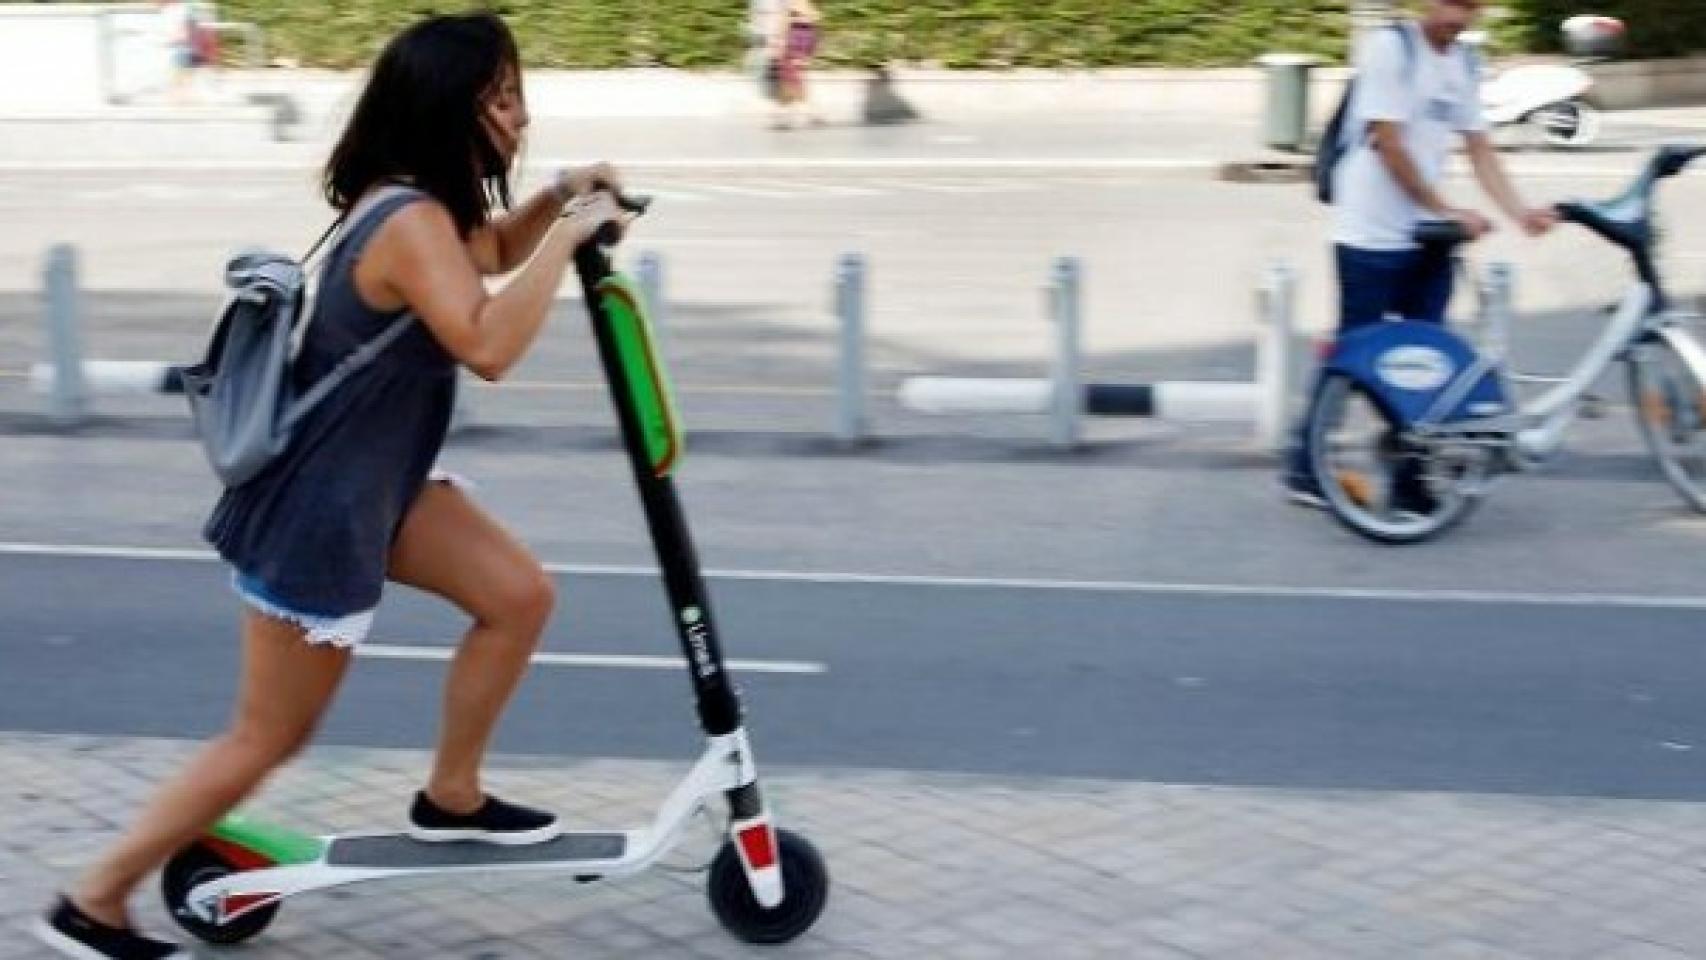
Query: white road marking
[
  {"x": 839, "y": 190},
  {"x": 676, "y": 195},
  {"x": 1135, "y": 587},
  {"x": 769, "y": 192},
  {"x": 391, "y": 651}
]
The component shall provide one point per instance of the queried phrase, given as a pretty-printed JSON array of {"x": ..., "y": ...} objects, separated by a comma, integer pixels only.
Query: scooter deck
[{"x": 402, "y": 852}]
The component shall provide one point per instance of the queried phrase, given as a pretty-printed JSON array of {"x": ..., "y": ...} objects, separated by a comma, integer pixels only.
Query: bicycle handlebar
[{"x": 1627, "y": 220}]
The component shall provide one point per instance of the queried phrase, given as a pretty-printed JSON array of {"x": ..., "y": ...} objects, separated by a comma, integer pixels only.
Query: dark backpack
[{"x": 1335, "y": 144}]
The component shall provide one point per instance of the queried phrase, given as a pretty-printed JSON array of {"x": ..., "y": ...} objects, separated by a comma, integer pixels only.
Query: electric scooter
[{"x": 765, "y": 885}]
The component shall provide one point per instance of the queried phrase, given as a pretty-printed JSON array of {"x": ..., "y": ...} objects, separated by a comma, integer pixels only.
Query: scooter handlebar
[{"x": 637, "y": 204}]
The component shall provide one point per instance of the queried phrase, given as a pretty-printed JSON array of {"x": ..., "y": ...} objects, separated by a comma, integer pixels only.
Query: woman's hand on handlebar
[
  {"x": 580, "y": 182},
  {"x": 585, "y": 214}
]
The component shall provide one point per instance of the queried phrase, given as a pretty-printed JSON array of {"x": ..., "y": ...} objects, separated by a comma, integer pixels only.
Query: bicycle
[{"x": 1413, "y": 423}]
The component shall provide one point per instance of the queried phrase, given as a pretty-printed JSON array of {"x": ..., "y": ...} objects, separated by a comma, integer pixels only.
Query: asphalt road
[{"x": 1269, "y": 690}]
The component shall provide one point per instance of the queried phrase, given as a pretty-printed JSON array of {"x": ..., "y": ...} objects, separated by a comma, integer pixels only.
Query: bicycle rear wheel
[
  {"x": 1382, "y": 483},
  {"x": 1670, "y": 404}
]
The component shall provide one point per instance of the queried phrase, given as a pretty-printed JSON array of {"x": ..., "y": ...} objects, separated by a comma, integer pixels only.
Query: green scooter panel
[{"x": 648, "y": 382}]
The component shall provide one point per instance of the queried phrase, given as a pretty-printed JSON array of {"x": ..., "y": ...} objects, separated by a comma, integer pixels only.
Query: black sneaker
[
  {"x": 1411, "y": 498},
  {"x": 73, "y": 933},
  {"x": 1303, "y": 491},
  {"x": 496, "y": 822}
]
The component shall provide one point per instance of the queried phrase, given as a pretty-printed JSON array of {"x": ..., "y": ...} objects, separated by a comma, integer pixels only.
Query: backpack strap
[
  {"x": 1407, "y": 40},
  {"x": 1472, "y": 59},
  {"x": 361, "y": 356},
  {"x": 352, "y": 363},
  {"x": 1407, "y": 34},
  {"x": 349, "y": 220}
]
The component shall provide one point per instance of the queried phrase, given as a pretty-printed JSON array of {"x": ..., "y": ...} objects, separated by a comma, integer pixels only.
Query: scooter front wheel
[
  {"x": 193, "y": 866},
  {"x": 805, "y": 892}
]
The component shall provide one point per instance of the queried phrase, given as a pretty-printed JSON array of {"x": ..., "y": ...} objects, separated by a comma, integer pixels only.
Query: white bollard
[
  {"x": 1064, "y": 297},
  {"x": 1498, "y": 296},
  {"x": 1276, "y": 346},
  {"x": 69, "y": 396},
  {"x": 851, "y": 423}
]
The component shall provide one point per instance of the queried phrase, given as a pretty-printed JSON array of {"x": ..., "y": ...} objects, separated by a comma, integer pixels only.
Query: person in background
[
  {"x": 186, "y": 29},
  {"x": 796, "y": 41},
  {"x": 1416, "y": 97}
]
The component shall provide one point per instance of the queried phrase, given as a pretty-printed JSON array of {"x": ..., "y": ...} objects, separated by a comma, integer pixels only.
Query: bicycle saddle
[{"x": 1440, "y": 235}]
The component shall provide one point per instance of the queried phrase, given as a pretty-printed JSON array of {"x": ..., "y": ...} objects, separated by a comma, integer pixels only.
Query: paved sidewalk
[{"x": 952, "y": 866}]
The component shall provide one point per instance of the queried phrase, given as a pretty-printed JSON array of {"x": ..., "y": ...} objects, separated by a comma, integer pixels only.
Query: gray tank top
[{"x": 315, "y": 528}]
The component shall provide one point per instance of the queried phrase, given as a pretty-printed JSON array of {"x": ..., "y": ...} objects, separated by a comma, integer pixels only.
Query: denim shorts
[
  {"x": 341, "y": 630},
  {"x": 346, "y": 630}
]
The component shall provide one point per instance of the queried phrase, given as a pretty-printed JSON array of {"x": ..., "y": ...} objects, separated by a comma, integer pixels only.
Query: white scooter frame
[{"x": 726, "y": 765}]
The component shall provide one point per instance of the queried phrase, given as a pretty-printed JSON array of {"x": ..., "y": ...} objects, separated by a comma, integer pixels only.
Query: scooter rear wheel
[
  {"x": 192, "y": 866},
  {"x": 805, "y": 892}
]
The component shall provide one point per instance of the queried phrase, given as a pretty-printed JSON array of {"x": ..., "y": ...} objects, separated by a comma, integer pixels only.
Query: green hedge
[{"x": 954, "y": 33}]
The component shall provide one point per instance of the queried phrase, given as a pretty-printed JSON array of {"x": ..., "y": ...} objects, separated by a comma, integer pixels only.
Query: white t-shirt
[{"x": 1434, "y": 96}]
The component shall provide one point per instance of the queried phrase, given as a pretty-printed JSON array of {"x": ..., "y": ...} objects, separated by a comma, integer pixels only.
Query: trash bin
[{"x": 1286, "y": 118}]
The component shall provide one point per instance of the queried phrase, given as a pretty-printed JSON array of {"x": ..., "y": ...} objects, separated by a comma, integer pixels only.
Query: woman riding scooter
[{"x": 356, "y": 501}]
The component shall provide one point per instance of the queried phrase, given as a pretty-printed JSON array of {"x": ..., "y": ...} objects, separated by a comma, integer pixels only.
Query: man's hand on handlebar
[
  {"x": 1474, "y": 224},
  {"x": 1539, "y": 221}
]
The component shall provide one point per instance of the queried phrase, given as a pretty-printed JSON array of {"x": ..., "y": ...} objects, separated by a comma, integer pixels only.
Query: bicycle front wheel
[{"x": 1670, "y": 404}]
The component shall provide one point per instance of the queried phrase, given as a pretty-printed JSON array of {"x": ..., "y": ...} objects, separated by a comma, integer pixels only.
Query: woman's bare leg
[
  {"x": 450, "y": 547},
  {"x": 287, "y": 683}
]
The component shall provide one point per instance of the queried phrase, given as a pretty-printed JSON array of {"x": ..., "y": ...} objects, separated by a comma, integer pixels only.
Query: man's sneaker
[
  {"x": 73, "y": 933},
  {"x": 497, "y": 822},
  {"x": 1304, "y": 491}
]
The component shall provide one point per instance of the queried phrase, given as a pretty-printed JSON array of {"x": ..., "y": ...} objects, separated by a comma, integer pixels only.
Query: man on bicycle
[{"x": 1416, "y": 91}]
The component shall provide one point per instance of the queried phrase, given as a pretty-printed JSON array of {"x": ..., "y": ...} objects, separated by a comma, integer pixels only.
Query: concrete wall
[
  {"x": 1650, "y": 83},
  {"x": 50, "y": 57},
  {"x": 79, "y": 56}
]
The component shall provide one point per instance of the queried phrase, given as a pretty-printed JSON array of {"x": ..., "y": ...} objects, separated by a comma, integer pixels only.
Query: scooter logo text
[{"x": 699, "y": 639}]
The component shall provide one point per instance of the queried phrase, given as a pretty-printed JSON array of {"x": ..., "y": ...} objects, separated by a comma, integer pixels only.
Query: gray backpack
[{"x": 241, "y": 394}]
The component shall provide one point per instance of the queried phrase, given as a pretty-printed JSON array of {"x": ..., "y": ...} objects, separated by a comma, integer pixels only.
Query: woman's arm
[
  {"x": 418, "y": 261},
  {"x": 509, "y": 241}
]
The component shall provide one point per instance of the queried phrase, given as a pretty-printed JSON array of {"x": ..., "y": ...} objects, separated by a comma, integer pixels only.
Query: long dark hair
[{"x": 419, "y": 119}]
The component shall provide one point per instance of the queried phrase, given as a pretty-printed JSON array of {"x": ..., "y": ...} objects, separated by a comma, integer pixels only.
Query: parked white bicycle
[{"x": 1413, "y": 423}]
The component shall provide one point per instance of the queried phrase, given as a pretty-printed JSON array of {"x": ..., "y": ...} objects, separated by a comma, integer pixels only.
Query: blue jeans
[{"x": 1374, "y": 286}]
